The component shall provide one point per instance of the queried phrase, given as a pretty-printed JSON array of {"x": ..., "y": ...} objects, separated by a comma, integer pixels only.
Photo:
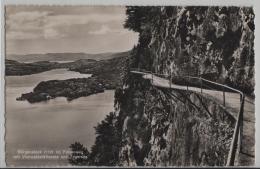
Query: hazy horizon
[{"x": 67, "y": 52}]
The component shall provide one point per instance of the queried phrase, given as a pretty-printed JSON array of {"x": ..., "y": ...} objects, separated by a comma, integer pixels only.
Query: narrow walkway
[{"x": 247, "y": 155}]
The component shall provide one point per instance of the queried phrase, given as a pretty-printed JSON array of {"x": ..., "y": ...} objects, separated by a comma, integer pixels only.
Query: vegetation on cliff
[{"x": 105, "y": 150}]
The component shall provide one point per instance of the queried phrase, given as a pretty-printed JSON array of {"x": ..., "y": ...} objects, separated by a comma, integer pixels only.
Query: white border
[
  {"x": 257, "y": 84},
  {"x": 135, "y": 2},
  {"x": 2, "y": 104},
  {"x": 254, "y": 3}
]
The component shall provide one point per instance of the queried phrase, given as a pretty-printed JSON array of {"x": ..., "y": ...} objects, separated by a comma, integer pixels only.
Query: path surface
[{"x": 247, "y": 155}]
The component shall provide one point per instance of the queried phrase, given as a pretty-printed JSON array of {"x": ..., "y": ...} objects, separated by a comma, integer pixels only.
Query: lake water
[{"x": 51, "y": 125}]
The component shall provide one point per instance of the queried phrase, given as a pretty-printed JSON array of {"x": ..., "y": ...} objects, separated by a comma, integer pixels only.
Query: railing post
[
  {"x": 189, "y": 79},
  {"x": 187, "y": 85},
  {"x": 170, "y": 80},
  {"x": 241, "y": 122},
  {"x": 236, "y": 143},
  {"x": 152, "y": 77},
  {"x": 200, "y": 84},
  {"x": 224, "y": 97}
]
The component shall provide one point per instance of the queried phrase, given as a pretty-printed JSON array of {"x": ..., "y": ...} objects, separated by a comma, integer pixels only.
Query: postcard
[{"x": 129, "y": 85}]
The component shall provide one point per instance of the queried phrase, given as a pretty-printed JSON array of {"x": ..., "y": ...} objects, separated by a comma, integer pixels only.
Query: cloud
[
  {"x": 26, "y": 20},
  {"x": 66, "y": 20},
  {"x": 104, "y": 29},
  {"x": 21, "y": 35},
  {"x": 47, "y": 25},
  {"x": 50, "y": 33}
]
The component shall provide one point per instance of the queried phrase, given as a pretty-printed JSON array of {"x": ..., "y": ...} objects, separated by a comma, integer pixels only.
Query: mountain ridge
[{"x": 66, "y": 56}]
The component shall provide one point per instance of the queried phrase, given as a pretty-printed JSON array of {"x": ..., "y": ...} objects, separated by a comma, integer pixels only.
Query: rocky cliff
[
  {"x": 161, "y": 127},
  {"x": 214, "y": 42}
]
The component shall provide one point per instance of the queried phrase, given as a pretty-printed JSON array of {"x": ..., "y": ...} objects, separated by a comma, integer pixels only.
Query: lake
[{"x": 52, "y": 125}]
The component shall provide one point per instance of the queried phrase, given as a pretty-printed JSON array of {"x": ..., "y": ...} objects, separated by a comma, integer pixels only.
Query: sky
[{"x": 57, "y": 29}]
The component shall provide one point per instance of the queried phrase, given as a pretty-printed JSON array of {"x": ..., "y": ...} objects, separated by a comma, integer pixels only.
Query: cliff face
[
  {"x": 215, "y": 42},
  {"x": 161, "y": 127},
  {"x": 172, "y": 128}
]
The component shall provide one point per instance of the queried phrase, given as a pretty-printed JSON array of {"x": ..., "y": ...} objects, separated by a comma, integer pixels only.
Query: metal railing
[{"x": 238, "y": 131}]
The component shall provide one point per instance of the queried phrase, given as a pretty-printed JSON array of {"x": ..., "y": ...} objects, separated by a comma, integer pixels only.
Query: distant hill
[
  {"x": 108, "y": 67},
  {"x": 63, "y": 57}
]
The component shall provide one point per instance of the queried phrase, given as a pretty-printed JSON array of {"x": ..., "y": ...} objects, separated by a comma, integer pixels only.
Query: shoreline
[
  {"x": 69, "y": 88},
  {"x": 105, "y": 74}
]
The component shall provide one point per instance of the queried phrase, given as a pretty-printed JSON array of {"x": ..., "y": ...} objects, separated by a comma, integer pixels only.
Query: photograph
[{"x": 129, "y": 86}]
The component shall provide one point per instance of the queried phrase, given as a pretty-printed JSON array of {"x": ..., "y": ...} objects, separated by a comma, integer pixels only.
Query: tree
[
  {"x": 105, "y": 151},
  {"x": 79, "y": 154},
  {"x": 140, "y": 15}
]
